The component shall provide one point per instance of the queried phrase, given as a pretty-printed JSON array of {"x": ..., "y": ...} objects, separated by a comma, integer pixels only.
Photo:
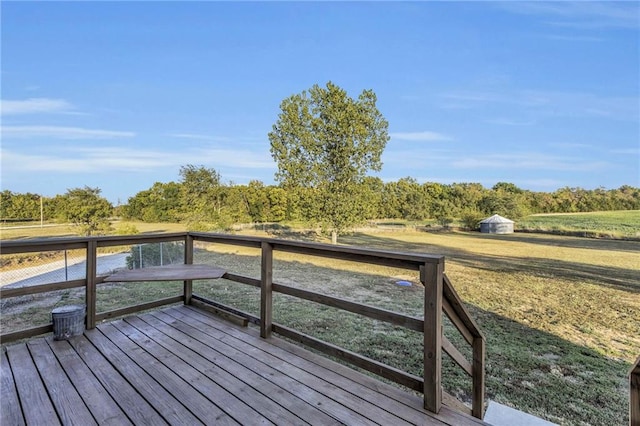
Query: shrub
[
  {"x": 127, "y": 229},
  {"x": 471, "y": 219}
]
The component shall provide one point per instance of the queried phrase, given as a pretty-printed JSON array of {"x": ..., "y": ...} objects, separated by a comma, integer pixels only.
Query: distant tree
[
  {"x": 201, "y": 195},
  {"x": 86, "y": 209},
  {"x": 278, "y": 204},
  {"x": 471, "y": 219},
  {"x": 326, "y": 140},
  {"x": 160, "y": 203},
  {"x": 18, "y": 206},
  {"x": 256, "y": 197}
]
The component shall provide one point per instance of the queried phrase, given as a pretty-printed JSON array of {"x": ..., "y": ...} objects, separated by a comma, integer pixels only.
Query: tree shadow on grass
[
  {"x": 565, "y": 241},
  {"x": 529, "y": 369},
  {"x": 617, "y": 278},
  {"x": 545, "y": 375}
]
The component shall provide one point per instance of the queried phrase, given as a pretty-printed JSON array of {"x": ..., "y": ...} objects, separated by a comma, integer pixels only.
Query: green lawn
[
  {"x": 619, "y": 224},
  {"x": 559, "y": 313}
]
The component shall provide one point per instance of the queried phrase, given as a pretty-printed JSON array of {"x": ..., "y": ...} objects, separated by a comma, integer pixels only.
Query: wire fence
[{"x": 21, "y": 270}]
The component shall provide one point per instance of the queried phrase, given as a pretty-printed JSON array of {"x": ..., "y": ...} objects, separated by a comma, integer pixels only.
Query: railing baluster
[
  {"x": 431, "y": 277},
  {"x": 266, "y": 295},
  {"x": 188, "y": 260},
  {"x": 91, "y": 283},
  {"x": 477, "y": 377}
]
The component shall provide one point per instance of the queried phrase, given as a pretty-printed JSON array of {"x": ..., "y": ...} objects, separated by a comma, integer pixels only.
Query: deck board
[
  {"x": 254, "y": 347},
  {"x": 308, "y": 394},
  {"x": 65, "y": 398},
  {"x": 212, "y": 375},
  {"x": 10, "y": 412},
  {"x": 103, "y": 407},
  {"x": 182, "y": 365},
  {"x": 37, "y": 408}
]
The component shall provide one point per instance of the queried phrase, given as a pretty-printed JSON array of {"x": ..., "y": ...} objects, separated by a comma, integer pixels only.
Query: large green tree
[
  {"x": 325, "y": 140},
  {"x": 85, "y": 208}
]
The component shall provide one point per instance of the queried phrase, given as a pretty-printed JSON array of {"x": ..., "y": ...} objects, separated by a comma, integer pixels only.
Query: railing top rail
[
  {"x": 374, "y": 256},
  {"x": 60, "y": 243}
]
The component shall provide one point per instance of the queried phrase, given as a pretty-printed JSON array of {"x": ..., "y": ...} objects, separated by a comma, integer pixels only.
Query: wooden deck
[{"x": 183, "y": 365}]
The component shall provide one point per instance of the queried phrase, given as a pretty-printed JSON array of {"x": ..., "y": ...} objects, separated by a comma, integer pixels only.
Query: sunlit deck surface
[{"x": 182, "y": 365}]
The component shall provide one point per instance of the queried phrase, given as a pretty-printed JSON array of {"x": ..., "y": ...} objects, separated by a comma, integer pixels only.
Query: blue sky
[{"x": 119, "y": 95}]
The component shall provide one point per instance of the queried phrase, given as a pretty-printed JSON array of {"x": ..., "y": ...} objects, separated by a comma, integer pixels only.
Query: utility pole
[{"x": 41, "y": 214}]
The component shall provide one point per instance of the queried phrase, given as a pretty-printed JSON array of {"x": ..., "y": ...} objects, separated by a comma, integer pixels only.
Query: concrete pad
[{"x": 501, "y": 415}]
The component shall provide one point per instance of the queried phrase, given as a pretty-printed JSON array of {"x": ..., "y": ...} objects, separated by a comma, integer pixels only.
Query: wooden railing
[
  {"x": 634, "y": 394},
  {"x": 439, "y": 297}
]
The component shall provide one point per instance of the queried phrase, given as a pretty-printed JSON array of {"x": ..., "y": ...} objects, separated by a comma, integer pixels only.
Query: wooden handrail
[
  {"x": 440, "y": 296},
  {"x": 634, "y": 394}
]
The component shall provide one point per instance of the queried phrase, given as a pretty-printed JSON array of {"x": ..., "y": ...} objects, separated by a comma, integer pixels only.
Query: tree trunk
[{"x": 334, "y": 237}]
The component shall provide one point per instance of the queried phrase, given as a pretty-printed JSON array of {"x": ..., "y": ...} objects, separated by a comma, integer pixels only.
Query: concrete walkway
[
  {"x": 501, "y": 415},
  {"x": 55, "y": 271}
]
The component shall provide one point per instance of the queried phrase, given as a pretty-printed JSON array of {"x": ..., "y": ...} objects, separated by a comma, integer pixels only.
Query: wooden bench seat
[{"x": 167, "y": 273}]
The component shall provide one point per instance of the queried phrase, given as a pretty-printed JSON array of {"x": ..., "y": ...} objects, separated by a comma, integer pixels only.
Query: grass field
[
  {"x": 560, "y": 313},
  {"x": 617, "y": 224}
]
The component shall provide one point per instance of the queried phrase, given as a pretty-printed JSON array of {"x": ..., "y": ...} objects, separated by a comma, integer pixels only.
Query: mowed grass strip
[{"x": 617, "y": 224}]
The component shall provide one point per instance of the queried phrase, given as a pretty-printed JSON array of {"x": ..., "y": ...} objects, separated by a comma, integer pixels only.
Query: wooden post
[
  {"x": 477, "y": 377},
  {"x": 188, "y": 260},
  {"x": 432, "y": 280},
  {"x": 634, "y": 394},
  {"x": 91, "y": 284},
  {"x": 266, "y": 296}
]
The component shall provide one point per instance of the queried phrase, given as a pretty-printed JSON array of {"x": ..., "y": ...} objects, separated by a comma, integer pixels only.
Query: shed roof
[{"x": 496, "y": 218}]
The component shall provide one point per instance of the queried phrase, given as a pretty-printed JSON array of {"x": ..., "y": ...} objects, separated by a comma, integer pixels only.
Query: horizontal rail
[
  {"x": 69, "y": 243},
  {"x": 140, "y": 239},
  {"x": 250, "y": 317},
  {"x": 241, "y": 279},
  {"x": 379, "y": 314},
  {"x": 41, "y": 288},
  {"x": 235, "y": 240},
  {"x": 356, "y": 254},
  {"x": 383, "y": 370},
  {"x": 224, "y": 313},
  {"x": 137, "y": 308},
  {"x": 26, "y": 333}
]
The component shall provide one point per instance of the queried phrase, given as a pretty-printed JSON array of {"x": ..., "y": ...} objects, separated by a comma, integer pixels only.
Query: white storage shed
[{"x": 496, "y": 224}]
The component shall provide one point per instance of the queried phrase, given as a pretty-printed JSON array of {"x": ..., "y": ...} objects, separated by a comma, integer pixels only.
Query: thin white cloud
[
  {"x": 196, "y": 136},
  {"x": 425, "y": 136},
  {"x": 510, "y": 122},
  {"x": 528, "y": 161},
  {"x": 540, "y": 183},
  {"x": 113, "y": 159},
  {"x": 573, "y": 38},
  {"x": 540, "y": 103},
  {"x": 579, "y": 14},
  {"x": 34, "y": 106},
  {"x": 57, "y": 132},
  {"x": 628, "y": 151},
  {"x": 571, "y": 145}
]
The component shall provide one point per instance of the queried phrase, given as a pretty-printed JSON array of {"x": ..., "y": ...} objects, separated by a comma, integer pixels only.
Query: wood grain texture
[
  {"x": 183, "y": 365},
  {"x": 167, "y": 273},
  {"x": 10, "y": 411},
  {"x": 31, "y": 390}
]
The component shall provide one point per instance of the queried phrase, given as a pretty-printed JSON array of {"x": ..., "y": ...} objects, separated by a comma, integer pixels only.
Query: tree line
[
  {"x": 325, "y": 144},
  {"x": 203, "y": 201}
]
